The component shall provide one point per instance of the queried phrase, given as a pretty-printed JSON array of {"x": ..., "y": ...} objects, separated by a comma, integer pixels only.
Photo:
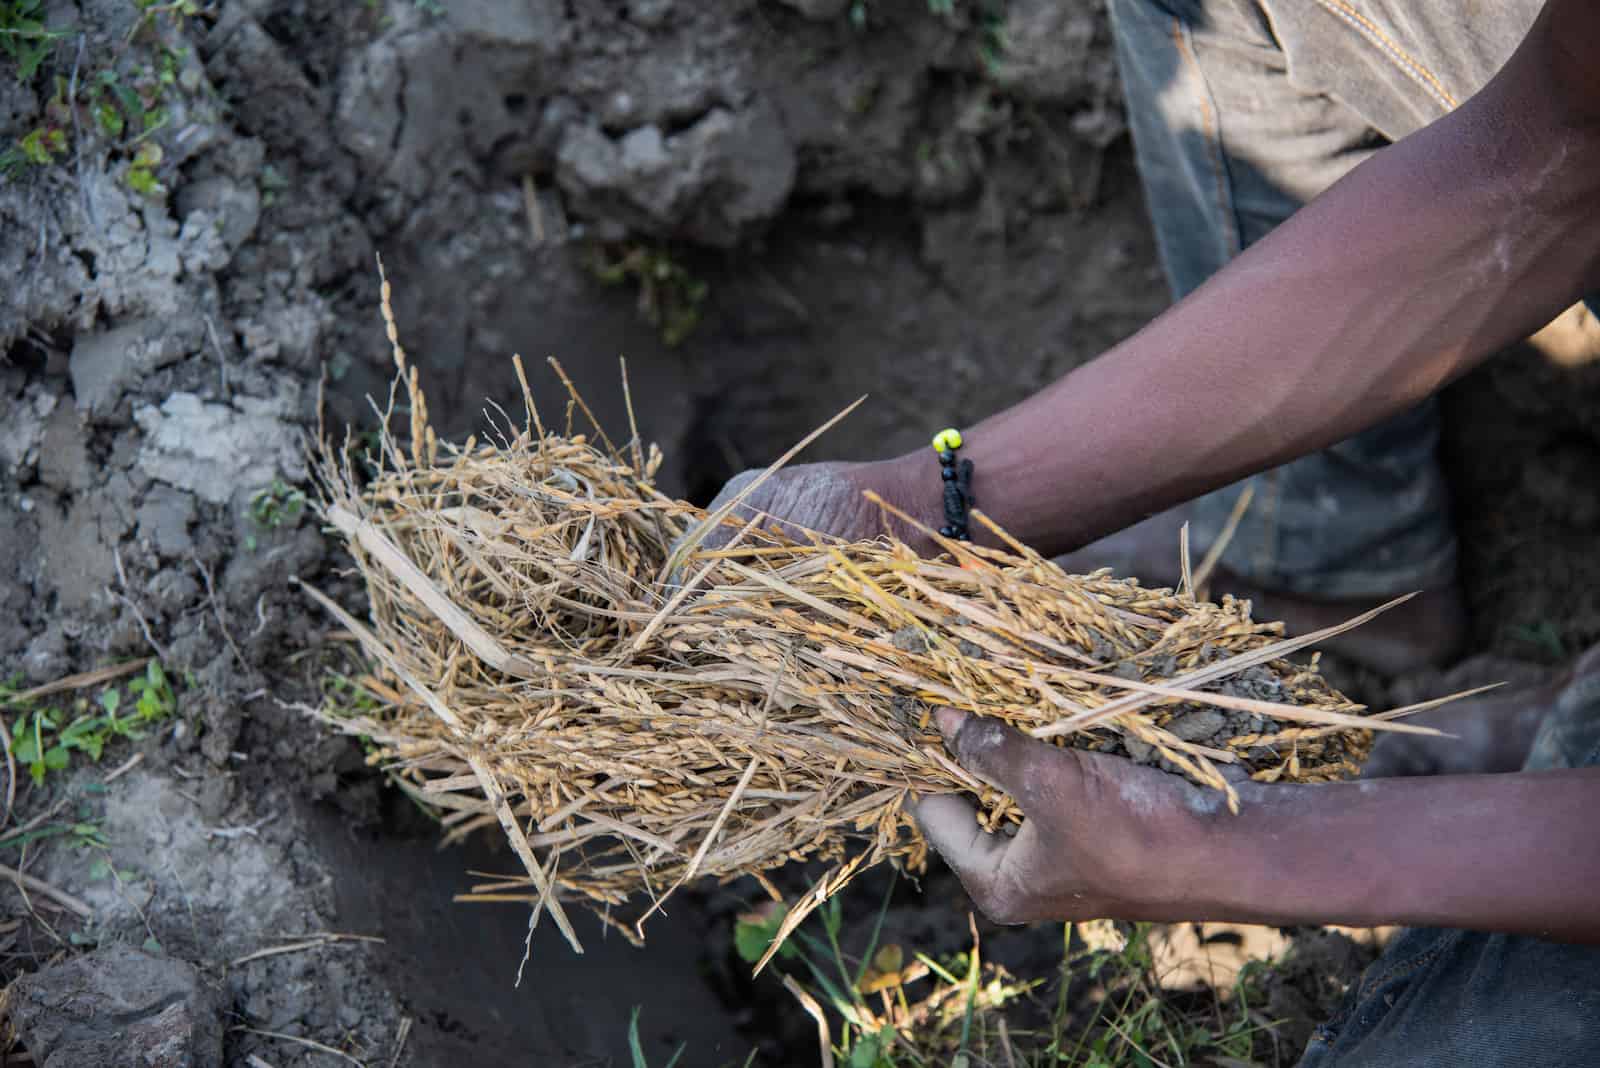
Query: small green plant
[
  {"x": 670, "y": 297},
  {"x": 892, "y": 1007},
  {"x": 24, "y": 38},
  {"x": 44, "y": 738},
  {"x": 272, "y": 183},
  {"x": 122, "y": 100},
  {"x": 275, "y": 506},
  {"x": 1137, "y": 1024},
  {"x": 636, "y": 1048}
]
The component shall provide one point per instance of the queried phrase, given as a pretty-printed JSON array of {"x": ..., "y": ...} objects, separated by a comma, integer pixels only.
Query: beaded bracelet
[{"x": 957, "y": 484}]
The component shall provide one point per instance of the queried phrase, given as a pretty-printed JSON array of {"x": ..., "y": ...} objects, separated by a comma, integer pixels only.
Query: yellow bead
[{"x": 948, "y": 439}]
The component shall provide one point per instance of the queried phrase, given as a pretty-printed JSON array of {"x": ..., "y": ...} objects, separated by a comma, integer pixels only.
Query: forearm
[
  {"x": 1514, "y": 853},
  {"x": 1425, "y": 260}
]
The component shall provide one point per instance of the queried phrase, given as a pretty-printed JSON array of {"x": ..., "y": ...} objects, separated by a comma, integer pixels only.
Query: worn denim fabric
[
  {"x": 1468, "y": 999},
  {"x": 1241, "y": 112}
]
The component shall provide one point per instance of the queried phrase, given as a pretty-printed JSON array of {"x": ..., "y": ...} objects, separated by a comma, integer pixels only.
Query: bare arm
[
  {"x": 1514, "y": 853},
  {"x": 1422, "y": 262},
  {"x": 1104, "y": 837}
]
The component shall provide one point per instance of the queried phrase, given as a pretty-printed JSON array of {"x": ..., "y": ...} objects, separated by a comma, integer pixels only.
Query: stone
[
  {"x": 1139, "y": 751},
  {"x": 234, "y": 208},
  {"x": 1198, "y": 725},
  {"x": 117, "y": 1007},
  {"x": 909, "y": 639},
  {"x": 46, "y": 659}
]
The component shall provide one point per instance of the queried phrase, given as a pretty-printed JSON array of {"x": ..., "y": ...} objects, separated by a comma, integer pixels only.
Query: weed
[
  {"x": 275, "y": 506},
  {"x": 1544, "y": 636},
  {"x": 46, "y": 737},
  {"x": 636, "y": 1048},
  {"x": 24, "y": 38},
  {"x": 123, "y": 99},
  {"x": 956, "y": 1019},
  {"x": 891, "y": 1007},
  {"x": 272, "y": 183},
  {"x": 1136, "y": 1024},
  {"x": 670, "y": 297}
]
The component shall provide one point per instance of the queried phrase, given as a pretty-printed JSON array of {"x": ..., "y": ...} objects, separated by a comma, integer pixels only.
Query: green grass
[
  {"x": 45, "y": 737},
  {"x": 671, "y": 298},
  {"x": 116, "y": 105},
  {"x": 24, "y": 38},
  {"x": 1108, "y": 1010}
]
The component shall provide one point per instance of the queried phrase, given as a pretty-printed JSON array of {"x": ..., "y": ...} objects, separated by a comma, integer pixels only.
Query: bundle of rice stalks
[{"x": 537, "y": 667}]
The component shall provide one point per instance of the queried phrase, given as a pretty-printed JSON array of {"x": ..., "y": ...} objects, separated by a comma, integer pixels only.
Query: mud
[{"x": 939, "y": 211}]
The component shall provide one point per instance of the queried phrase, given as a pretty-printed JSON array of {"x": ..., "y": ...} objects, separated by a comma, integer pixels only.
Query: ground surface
[{"x": 824, "y": 208}]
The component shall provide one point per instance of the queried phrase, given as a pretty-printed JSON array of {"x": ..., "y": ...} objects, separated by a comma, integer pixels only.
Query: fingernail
[{"x": 949, "y": 721}]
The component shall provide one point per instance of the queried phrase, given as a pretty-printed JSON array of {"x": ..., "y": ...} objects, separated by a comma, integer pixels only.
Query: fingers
[
  {"x": 1003, "y": 757},
  {"x": 950, "y": 824}
]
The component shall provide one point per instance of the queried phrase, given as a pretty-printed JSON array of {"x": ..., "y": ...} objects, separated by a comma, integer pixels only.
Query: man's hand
[
  {"x": 824, "y": 497},
  {"x": 1102, "y": 836}
]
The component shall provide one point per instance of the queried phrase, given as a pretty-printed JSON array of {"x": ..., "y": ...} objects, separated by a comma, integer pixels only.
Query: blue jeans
[{"x": 1242, "y": 111}]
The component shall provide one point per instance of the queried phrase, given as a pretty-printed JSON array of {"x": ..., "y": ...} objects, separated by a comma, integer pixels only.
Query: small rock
[
  {"x": 971, "y": 650},
  {"x": 1198, "y": 725},
  {"x": 909, "y": 639},
  {"x": 46, "y": 659},
  {"x": 19, "y": 445},
  {"x": 1139, "y": 751},
  {"x": 117, "y": 1007}
]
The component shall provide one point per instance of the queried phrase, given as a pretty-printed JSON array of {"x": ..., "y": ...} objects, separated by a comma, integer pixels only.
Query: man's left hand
[{"x": 1102, "y": 837}]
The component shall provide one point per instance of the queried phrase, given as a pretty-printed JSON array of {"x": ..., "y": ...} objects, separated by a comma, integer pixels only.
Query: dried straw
[{"x": 536, "y": 669}]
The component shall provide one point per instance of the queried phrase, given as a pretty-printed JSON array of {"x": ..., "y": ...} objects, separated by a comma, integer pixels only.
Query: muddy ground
[{"x": 768, "y": 207}]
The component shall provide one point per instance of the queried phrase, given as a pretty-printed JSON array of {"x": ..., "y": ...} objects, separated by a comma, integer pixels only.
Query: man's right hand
[{"x": 827, "y": 498}]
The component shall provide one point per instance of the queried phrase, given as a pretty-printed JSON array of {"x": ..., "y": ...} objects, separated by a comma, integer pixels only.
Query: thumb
[{"x": 1000, "y": 755}]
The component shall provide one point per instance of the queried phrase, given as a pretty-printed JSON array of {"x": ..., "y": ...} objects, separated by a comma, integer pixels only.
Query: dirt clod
[{"x": 118, "y": 1008}]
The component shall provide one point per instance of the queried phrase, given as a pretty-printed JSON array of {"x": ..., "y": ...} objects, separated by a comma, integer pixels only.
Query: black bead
[
  {"x": 947, "y": 473},
  {"x": 947, "y": 532}
]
